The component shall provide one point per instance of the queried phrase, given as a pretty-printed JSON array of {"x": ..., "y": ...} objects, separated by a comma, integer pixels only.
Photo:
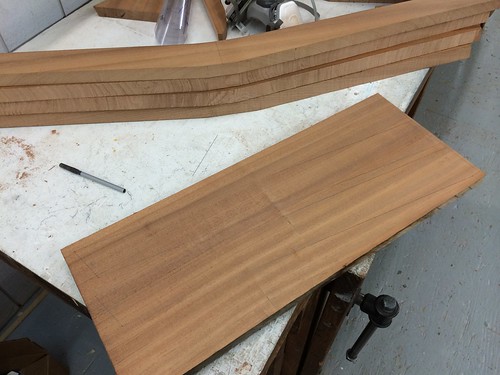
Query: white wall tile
[
  {"x": 3, "y": 47},
  {"x": 22, "y": 20},
  {"x": 71, "y": 5}
]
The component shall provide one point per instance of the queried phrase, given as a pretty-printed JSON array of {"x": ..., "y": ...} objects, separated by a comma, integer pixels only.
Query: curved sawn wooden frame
[{"x": 232, "y": 76}]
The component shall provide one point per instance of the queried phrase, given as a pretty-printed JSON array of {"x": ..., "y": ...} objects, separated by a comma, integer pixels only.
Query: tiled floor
[
  {"x": 444, "y": 272},
  {"x": 69, "y": 337}
]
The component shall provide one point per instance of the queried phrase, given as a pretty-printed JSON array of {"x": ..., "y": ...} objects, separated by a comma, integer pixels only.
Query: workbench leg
[
  {"x": 297, "y": 338},
  {"x": 277, "y": 364},
  {"x": 286, "y": 357},
  {"x": 339, "y": 300}
]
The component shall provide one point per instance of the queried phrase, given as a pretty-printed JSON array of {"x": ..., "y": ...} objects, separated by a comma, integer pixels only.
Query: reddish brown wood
[
  {"x": 141, "y": 10},
  {"x": 173, "y": 284}
]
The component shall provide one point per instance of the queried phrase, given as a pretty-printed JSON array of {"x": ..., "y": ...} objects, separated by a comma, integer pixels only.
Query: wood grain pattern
[
  {"x": 232, "y": 76},
  {"x": 266, "y": 101},
  {"x": 170, "y": 285},
  {"x": 88, "y": 90},
  {"x": 251, "y": 91},
  {"x": 232, "y": 56},
  {"x": 141, "y": 10}
]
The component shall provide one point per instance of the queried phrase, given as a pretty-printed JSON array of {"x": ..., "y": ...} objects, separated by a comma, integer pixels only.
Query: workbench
[{"x": 44, "y": 208}]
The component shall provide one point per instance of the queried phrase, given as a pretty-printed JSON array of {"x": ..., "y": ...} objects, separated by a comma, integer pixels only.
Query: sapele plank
[
  {"x": 141, "y": 10},
  {"x": 170, "y": 285},
  {"x": 246, "y": 92},
  {"x": 232, "y": 56},
  {"x": 88, "y": 90},
  {"x": 454, "y": 54}
]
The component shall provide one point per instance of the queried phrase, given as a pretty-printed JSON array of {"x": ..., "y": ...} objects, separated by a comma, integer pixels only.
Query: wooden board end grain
[
  {"x": 173, "y": 284},
  {"x": 149, "y": 10},
  {"x": 140, "y": 10},
  {"x": 234, "y": 56},
  {"x": 217, "y": 16}
]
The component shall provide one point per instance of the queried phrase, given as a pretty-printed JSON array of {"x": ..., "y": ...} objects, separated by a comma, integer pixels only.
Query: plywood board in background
[
  {"x": 149, "y": 10},
  {"x": 141, "y": 10}
]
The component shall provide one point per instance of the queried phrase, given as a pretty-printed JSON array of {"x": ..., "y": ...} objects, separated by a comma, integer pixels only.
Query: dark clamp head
[{"x": 380, "y": 310}]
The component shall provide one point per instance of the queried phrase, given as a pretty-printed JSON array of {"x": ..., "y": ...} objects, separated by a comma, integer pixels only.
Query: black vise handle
[{"x": 380, "y": 310}]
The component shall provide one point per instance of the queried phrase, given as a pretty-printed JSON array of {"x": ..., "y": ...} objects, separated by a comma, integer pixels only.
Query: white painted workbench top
[{"x": 44, "y": 208}]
